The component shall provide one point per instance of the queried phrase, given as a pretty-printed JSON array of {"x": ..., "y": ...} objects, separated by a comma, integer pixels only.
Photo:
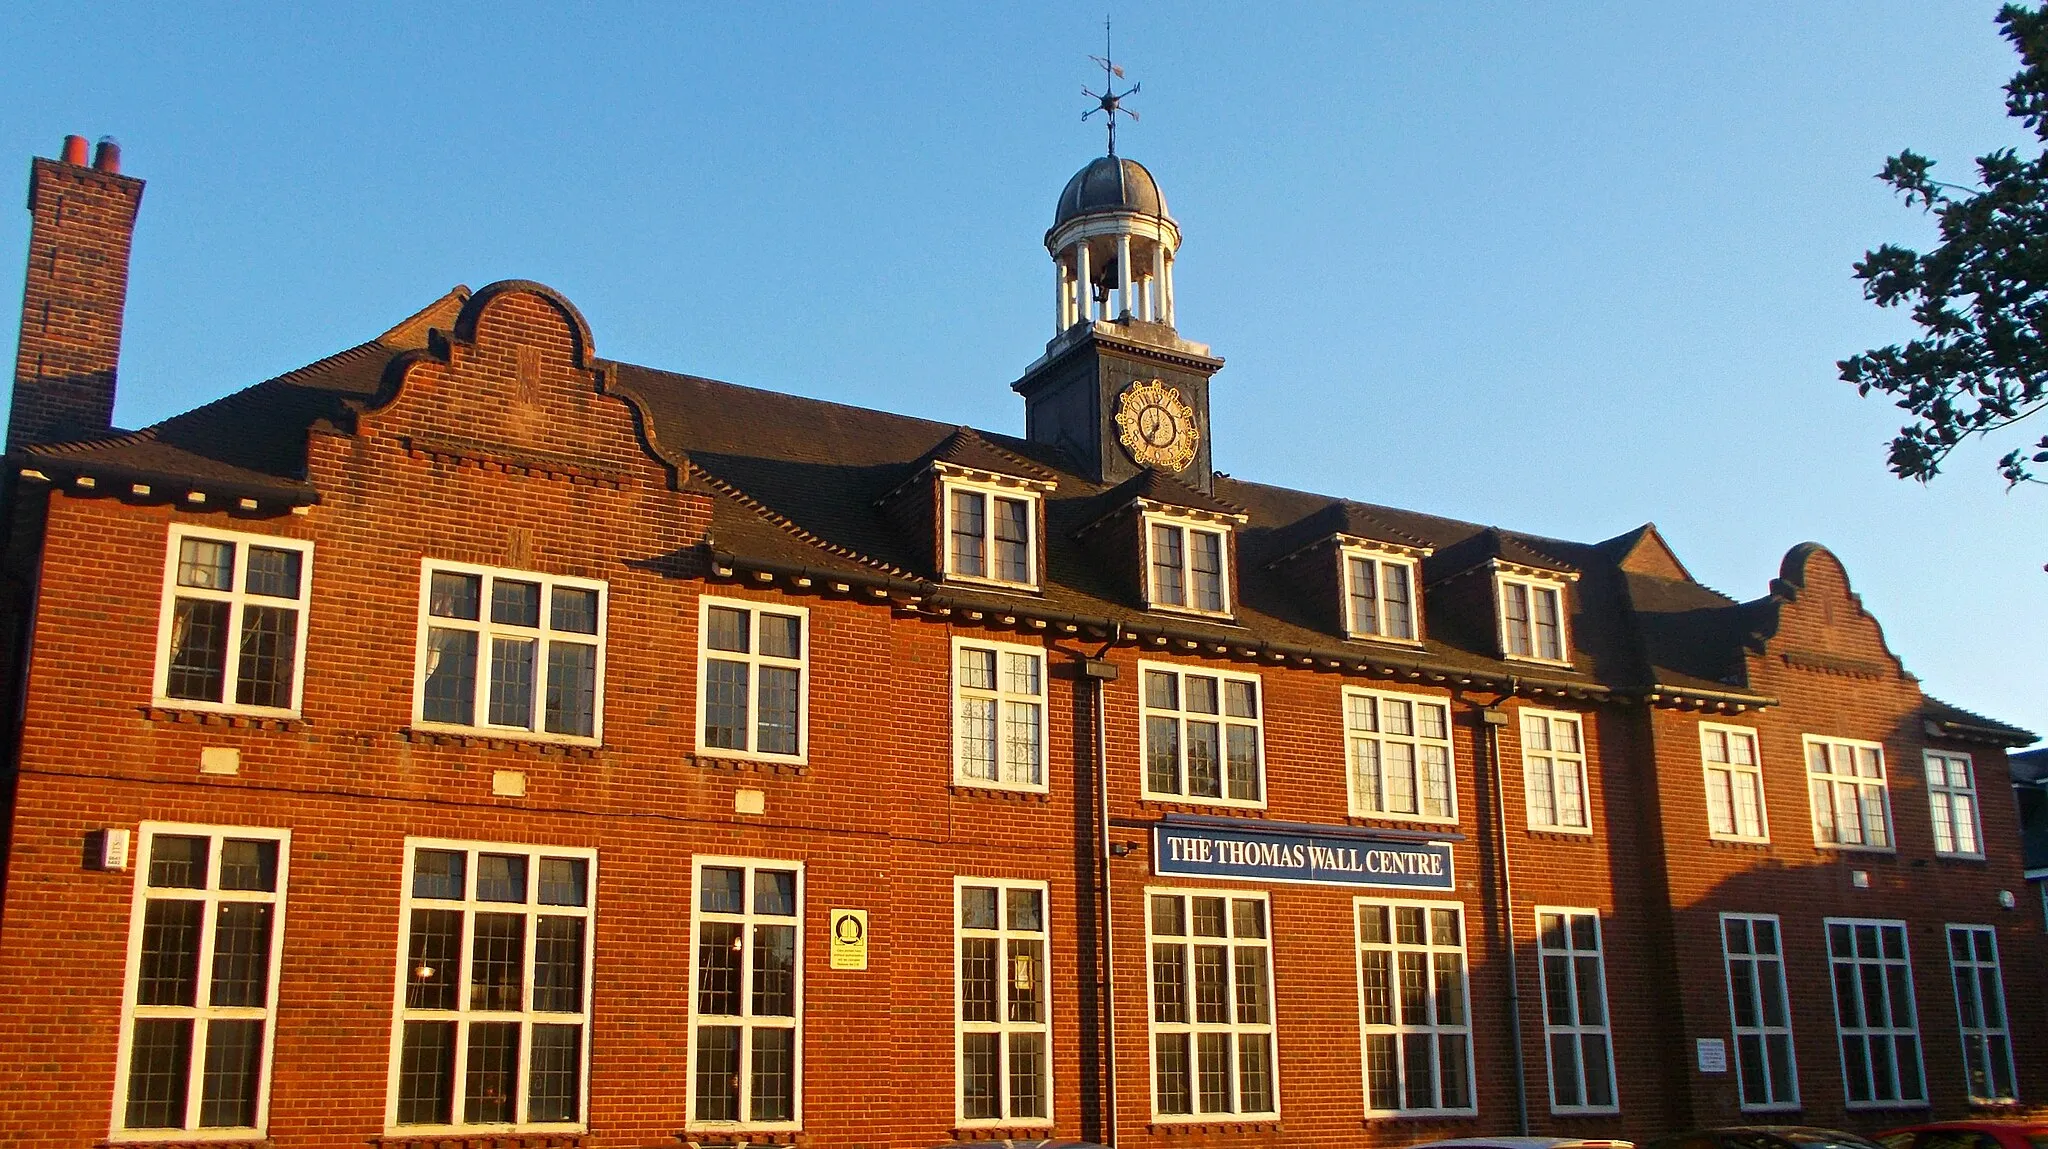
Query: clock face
[{"x": 1156, "y": 426}]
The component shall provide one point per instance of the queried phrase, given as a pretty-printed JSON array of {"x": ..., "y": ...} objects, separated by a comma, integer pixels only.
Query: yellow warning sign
[{"x": 849, "y": 939}]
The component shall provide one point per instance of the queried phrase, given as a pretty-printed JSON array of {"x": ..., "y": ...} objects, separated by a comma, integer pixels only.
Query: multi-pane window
[
  {"x": 1554, "y": 771},
  {"x": 202, "y": 981},
  {"x": 1845, "y": 783},
  {"x": 1004, "y": 1023},
  {"x": 1201, "y": 735},
  {"x": 510, "y": 651},
  {"x": 493, "y": 987},
  {"x": 1532, "y": 619},
  {"x": 746, "y": 995},
  {"x": 1952, "y": 798},
  {"x": 1579, "y": 1035},
  {"x": 1754, "y": 952},
  {"x": 234, "y": 621},
  {"x": 1212, "y": 1005},
  {"x": 1980, "y": 1007},
  {"x": 1735, "y": 782},
  {"x": 1414, "y": 1008},
  {"x": 1399, "y": 748},
  {"x": 1379, "y": 596},
  {"x": 752, "y": 679},
  {"x": 1875, "y": 1016},
  {"x": 1187, "y": 567},
  {"x": 998, "y": 715},
  {"x": 989, "y": 536}
]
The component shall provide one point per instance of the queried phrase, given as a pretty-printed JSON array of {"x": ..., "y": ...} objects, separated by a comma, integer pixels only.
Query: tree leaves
[{"x": 1980, "y": 297}]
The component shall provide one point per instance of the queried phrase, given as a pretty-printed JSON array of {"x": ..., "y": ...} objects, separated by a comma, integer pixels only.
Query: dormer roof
[
  {"x": 1497, "y": 548},
  {"x": 1158, "y": 490}
]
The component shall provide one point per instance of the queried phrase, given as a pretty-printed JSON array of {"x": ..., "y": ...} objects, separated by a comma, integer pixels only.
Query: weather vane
[{"x": 1109, "y": 101}]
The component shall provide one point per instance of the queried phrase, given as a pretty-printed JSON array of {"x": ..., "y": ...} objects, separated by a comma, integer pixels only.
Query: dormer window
[
  {"x": 1187, "y": 565},
  {"x": 1532, "y": 614},
  {"x": 991, "y": 535},
  {"x": 1380, "y": 596}
]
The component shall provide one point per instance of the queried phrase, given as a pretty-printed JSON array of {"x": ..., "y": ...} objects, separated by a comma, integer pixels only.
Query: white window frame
[
  {"x": 1400, "y": 1029},
  {"x": 1869, "y": 1032},
  {"x": 1003, "y": 934},
  {"x": 1881, "y": 785},
  {"x": 1578, "y": 1028},
  {"x": 1224, "y": 721},
  {"x": 1533, "y": 585},
  {"x": 1986, "y": 1058},
  {"x": 1415, "y": 740},
  {"x": 199, "y": 1012},
  {"x": 1270, "y": 1029},
  {"x": 989, "y": 492},
  {"x": 1579, "y": 758},
  {"x": 1187, "y": 528},
  {"x": 464, "y": 1015},
  {"x": 1002, "y": 699},
  {"x": 239, "y": 600},
  {"x": 755, "y": 661},
  {"x": 1380, "y": 560},
  {"x": 485, "y": 630},
  {"x": 1942, "y": 798},
  {"x": 1763, "y": 1031},
  {"x": 746, "y": 1022},
  {"x": 1734, "y": 774}
]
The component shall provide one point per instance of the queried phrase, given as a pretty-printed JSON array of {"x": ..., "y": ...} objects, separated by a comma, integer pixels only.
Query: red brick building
[{"x": 467, "y": 739}]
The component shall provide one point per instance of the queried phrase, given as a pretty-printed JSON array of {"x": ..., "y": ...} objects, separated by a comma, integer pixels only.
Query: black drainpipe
[
  {"x": 1494, "y": 719},
  {"x": 1102, "y": 673}
]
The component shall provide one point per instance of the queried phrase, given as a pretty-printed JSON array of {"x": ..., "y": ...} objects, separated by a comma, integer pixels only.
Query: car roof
[
  {"x": 2015, "y": 1122},
  {"x": 1524, "y": 1143}
]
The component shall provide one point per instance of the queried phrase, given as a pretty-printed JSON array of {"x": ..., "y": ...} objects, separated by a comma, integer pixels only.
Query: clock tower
[{"x": 1118, "y": 390}]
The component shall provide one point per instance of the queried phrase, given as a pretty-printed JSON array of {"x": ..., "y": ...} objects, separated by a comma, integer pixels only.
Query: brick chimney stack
[{"x": 83, "y": 223}]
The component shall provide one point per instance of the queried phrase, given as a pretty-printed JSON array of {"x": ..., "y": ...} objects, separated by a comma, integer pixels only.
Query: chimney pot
[
  {"x": 74, "y": 151},
  {"x": 107, "y": 157}
]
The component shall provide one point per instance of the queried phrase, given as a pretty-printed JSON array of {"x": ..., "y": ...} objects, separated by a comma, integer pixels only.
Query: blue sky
[{"x": 1560, "y": 268}]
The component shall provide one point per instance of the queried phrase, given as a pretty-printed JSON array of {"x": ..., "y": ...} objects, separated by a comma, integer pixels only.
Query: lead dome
[{"x": 1110, "y": 184}]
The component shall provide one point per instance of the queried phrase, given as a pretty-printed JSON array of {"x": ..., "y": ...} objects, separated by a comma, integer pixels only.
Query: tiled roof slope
[
  {"x": 822, "y": 467},
  {"x": 1954, "y": 720},
  {"x": 254, "y": 440},
  {"x": 795, "y": 483}
]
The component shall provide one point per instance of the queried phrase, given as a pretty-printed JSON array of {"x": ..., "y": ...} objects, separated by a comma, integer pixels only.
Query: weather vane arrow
[{"x": 1109, "y": 101}]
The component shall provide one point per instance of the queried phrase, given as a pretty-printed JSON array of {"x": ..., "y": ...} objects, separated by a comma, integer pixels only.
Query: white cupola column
[
  {"x": 1062, "y": 298},
  {"x": 1123, "y": 272},
  {"x": 1166, "y": 285},
  {"x": 1085, "y": 280},
  {"x": 1158, "y": 308}
]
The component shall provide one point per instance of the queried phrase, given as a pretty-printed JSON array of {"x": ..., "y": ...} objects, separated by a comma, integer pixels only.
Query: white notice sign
[
  {"x": 849, "y": 939},
  {"x": 1713, "y": 1054}
]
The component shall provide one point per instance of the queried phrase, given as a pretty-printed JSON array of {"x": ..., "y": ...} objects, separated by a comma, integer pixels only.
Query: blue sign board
[{"x": 1249, "y": 851}]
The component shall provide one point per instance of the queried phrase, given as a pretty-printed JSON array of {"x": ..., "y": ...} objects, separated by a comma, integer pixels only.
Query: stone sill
[
  {"x": 1170, "y": 1128},
  {"x": 219, "y": 718},
  {"x": 749, "y": 765},
  {"x": 479, "y": 1140},
  {"x": 496, "y": 742},
  {"x": 1002, "y": 1132},
  {"x": 998, "y": 794}
]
